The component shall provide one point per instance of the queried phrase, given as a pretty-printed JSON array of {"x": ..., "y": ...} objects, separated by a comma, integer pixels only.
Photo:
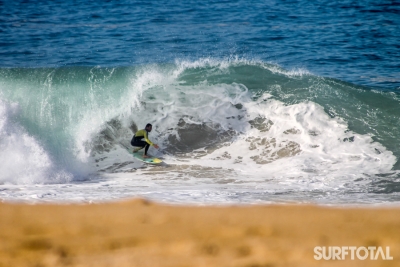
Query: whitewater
[{"x": 230, "y": 131}]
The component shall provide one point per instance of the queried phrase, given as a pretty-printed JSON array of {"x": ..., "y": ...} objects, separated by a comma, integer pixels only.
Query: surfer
[{"x": 138, "y": 142}]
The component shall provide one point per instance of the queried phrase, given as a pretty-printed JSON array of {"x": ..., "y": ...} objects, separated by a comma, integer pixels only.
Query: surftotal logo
[{"x": 360, "y": 253}]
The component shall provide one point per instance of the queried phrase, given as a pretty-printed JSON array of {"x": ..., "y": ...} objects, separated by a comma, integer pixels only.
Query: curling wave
[{"x": 245, "y": 115}]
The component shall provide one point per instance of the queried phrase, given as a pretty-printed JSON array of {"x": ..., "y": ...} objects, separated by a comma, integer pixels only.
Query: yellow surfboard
[
  {"x": 139, "y": 156},
  {"x": 151, "y": 160}
]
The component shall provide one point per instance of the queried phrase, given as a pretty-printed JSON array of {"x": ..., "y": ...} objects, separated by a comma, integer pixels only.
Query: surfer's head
[{"x": 148, "y": 127}]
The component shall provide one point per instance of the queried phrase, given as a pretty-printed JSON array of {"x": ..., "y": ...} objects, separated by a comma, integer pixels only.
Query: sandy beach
[{"x": 143, "y": 233}]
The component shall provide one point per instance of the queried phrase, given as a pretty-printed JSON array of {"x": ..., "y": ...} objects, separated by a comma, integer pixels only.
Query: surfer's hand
[{"x": 156, "y": 146}]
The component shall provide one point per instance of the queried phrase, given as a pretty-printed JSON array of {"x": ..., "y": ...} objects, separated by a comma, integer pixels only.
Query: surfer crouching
[{"x": 138, "y": 142}]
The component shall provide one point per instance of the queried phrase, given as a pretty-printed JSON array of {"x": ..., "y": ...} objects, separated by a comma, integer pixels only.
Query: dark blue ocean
[
  {"x": 358, "y": 42},
  {"x": 260, "y": 101}
]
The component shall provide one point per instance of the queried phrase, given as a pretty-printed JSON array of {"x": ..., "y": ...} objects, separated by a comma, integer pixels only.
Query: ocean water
[{"x": 261, "y": 102}]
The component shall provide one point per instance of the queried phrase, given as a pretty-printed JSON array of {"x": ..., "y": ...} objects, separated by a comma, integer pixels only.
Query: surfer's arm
[{"x": 147, "y": 139}]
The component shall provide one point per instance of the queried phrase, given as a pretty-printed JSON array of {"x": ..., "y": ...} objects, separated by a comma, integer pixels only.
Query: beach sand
[{"x": 143, "y": 233}]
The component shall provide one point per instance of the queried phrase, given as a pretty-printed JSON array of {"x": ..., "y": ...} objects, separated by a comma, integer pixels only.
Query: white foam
[
  {"x": 23, "y": 159},
  {"x": 327, "y": 148}
]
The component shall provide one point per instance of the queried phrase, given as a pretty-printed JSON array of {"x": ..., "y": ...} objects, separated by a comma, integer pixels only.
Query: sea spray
[{"x": 23, "y": 159}]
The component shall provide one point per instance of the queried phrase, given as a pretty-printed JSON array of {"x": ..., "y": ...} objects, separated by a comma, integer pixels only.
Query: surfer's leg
[
  {"x": 145, "y": 150},
  {"x": 139, "y": 144}
]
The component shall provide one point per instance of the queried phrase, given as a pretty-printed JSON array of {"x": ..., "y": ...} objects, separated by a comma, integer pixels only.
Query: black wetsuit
[{"x": 138, "y": 142}]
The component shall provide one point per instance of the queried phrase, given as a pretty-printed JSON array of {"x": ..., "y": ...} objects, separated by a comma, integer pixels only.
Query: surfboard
[
  {"x": 139, "y": 156},
  {"x": 151, "y": 160}
]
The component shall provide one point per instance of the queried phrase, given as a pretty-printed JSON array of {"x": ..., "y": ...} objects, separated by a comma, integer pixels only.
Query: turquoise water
[{"x": 273, "y": 101}]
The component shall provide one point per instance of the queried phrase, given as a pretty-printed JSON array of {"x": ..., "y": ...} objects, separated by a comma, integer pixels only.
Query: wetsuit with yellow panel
[{"x": 137, "y": 141}]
